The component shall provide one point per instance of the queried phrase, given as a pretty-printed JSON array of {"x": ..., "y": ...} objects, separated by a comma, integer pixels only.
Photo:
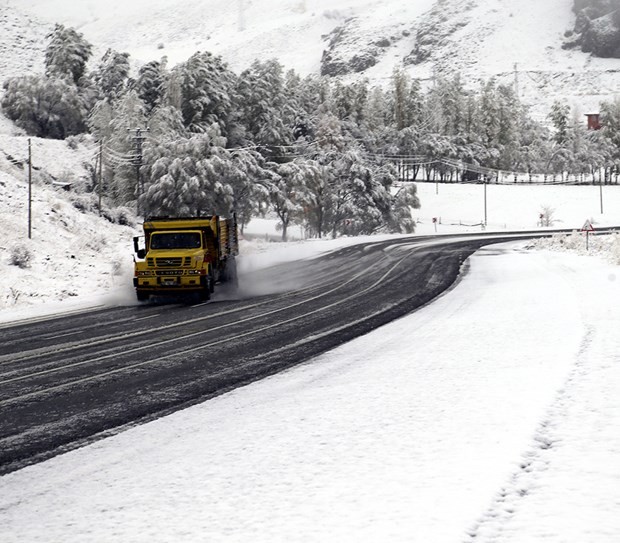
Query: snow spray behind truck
[{"x": 184, "y": 256}]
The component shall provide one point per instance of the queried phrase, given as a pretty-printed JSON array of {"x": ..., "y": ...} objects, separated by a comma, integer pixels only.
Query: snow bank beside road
[{"x": 605, "y": 246}]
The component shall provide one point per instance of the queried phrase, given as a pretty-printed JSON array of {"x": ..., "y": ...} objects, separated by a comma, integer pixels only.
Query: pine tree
[
  {"x": 262, "y": 105},
  {"x": 166, "y": 124},
  {"x": 150, "y": 84},
  {"x": 206, "y": 92},
  {"x": 112, "y": 75},
  {"x": 67, "y": 54},
  {"x": 400, "y": 83},
  {"x": 560, "y": 118},
  {"x": 610, "y": 121}
]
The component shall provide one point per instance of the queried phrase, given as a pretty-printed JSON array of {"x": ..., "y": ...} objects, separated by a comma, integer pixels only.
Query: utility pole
[
  {"x": 137, "y": 162},
  {"x": 485, "y": 203},
  {"x": 516, "y": 80},
  {"x": 100, "y": 184},
  {"x": 29, "y": 189}
]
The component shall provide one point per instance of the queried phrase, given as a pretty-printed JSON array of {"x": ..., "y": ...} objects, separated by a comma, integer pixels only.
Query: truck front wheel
[
  {"x": 207, "y": 289},
  {"x": 142, "y": 296}
]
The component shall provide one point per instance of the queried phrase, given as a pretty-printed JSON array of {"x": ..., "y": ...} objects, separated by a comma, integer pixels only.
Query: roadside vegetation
[{"x": 198, "y": 138}]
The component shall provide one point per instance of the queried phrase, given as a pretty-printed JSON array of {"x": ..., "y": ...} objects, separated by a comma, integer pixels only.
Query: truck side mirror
[{"x": 141, "y": 253}]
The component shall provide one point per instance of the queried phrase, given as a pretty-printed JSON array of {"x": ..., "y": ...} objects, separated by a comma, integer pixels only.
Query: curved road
[{"x": 68, "y": 380}]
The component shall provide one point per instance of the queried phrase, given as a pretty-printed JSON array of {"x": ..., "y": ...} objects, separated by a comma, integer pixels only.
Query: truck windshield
[{"x": 175, "y": 240}]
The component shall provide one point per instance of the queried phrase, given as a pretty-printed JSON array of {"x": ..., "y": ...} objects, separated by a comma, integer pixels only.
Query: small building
[{"x": 594, "y": 121}]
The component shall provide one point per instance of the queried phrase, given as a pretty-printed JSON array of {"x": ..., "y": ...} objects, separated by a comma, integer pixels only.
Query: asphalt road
[{"x": 70, "y": 380}]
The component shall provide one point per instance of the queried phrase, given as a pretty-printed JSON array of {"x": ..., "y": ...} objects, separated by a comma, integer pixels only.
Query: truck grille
[{"x": 169, "y": 262}]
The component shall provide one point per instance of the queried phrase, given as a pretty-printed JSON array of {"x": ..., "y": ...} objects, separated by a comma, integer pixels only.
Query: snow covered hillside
[
  {"x": 73, "y": 253},
  {"x": 519, "y": 42}
]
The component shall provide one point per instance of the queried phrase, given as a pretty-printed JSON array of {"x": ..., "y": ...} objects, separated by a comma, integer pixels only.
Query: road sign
[{"x": 587, "y": 228}]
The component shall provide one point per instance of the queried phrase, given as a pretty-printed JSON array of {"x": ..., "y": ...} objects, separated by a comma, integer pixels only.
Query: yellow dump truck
[{"x": 185, "y": 256}]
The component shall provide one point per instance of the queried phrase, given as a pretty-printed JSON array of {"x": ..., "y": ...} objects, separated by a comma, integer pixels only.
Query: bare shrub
[{"x": 20, "y": 256}]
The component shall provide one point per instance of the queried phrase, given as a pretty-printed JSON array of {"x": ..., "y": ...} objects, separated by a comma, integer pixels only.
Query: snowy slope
[
  {"x": 241, "y": 31},
  {"x": 73, "y": 255},
  {"x": 519, "y": 42}
]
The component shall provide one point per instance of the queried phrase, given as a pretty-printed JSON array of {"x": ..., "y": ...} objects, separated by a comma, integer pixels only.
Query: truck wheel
[
  {"x": 205, "y": 294},
  {"x": 142, "y": 296},
  {"x": 230, "y": 272},
  {"x": 207, "y": 289}
]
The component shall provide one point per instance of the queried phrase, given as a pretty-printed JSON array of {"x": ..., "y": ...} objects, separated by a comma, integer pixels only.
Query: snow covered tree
[
  {"x": 261, "y": 106},
  {"x": 501, "y": 115},
  {"x": 489, "y": 108},
  {"x": 45, "y": 107},
  {"x": 351, "y": 192},
  {"x": 405, "y": 101},
  {"x": 67, "y": 54},
  {"x": 100, "y": 120},
  {"x": 376, "y": 111},
  {"x": 150, "y": 84},
  {"x": 206, "y": 88},
  {"x": 348, "y": 102},
  {"x": 178, "y": 176},
  {"x": 166, "y": 123},
  {"x": 509, "y": 122},
  {"x": 245, "y": 180},
  {"x": 400, "y": 84},
  {"x": 196, "y": 176},
  {"x": 610, "y": 120},
  {"x": 114, "y": 124},
  {"x": 534, "y": 144},
  {"x": 454, "y": 100},
  {"x": 112, "y": 75},
  {"x": 405, "y": 200},
  {"x": 289, "y": 190},
  {"x": 314, "y": 199},
  {"x": 560, "y": 118}
]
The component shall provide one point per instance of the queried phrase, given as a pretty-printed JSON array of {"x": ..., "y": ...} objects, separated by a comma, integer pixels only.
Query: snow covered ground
[{"x": 489, "y": 415}]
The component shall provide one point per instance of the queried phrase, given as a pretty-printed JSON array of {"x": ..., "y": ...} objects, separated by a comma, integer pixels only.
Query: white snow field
[{"x": 489, "y": 415}]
